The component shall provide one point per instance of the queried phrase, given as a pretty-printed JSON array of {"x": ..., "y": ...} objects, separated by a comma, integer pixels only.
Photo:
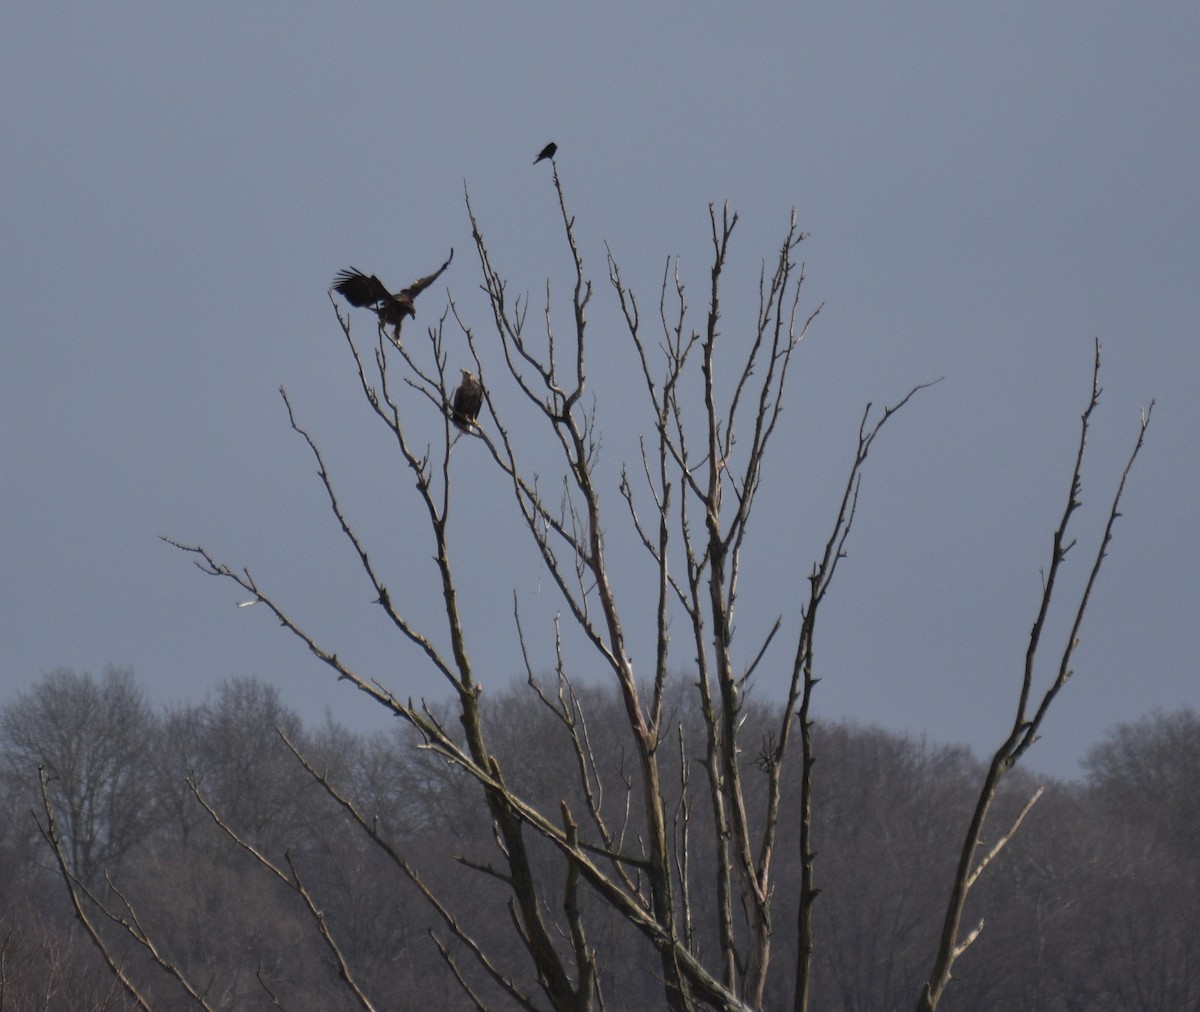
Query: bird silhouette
[
  {"x": 468, "y": 399},
  {"x": 546, "y": 152},
  {"x": 370, "y": 293}
]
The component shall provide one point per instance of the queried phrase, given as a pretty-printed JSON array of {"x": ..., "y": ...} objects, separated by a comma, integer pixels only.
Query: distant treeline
[{"x": 1095, "y": 905}]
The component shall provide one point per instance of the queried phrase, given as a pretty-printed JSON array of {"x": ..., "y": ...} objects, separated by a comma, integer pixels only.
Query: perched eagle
[
  {"x": 546, "y": 152},
  {"x": 370, "y": 293},
  {"x": 468, "y": 399}
]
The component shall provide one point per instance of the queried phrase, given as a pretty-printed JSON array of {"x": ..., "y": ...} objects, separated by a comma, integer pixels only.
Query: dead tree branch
[{"x": 1025, "y": 726}]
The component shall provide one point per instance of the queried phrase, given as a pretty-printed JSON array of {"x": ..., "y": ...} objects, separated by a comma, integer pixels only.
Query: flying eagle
[
  {"x": 547, "y": 152},
  {"x": 468, "y": 399},
  {"x": 370, "y": 293}
]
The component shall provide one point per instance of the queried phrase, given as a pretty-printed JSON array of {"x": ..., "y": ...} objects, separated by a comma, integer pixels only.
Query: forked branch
[{"x": 1025, "y": 728}]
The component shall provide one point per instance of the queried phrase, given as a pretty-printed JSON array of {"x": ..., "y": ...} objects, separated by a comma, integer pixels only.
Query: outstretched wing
[
  {"x": 360, "y": 290},
  {"x": 418, "y": 286}
]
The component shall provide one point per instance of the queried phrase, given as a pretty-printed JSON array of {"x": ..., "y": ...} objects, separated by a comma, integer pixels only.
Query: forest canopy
[{"x": 1094, "y": 906}]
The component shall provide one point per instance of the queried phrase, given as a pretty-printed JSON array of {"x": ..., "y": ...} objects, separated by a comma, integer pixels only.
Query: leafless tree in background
[
  {"x": 88, "y": 735},
  {"x": 628, "y": 840}
]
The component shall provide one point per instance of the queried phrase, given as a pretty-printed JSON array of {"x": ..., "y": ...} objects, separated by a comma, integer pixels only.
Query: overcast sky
[{"x": 988, "y": 188}]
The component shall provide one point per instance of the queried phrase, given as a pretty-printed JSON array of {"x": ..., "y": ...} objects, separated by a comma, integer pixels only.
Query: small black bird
[
  {"x": 546, "y": 152},
  {"x": 468, "y": 399},
  {"x": 370, "y": 293}
]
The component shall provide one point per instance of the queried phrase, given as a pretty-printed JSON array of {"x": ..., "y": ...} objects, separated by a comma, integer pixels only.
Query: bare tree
[
  {"x": 1146, "y": 772},
  {"x": 243, "y": 767},
  {"x": 622, "y": 843},
  {"x": 92, "y": 737},
  {"x": 1031, "y": 708},
  {"x": 1146, "y": 811},
  {"x": 45, "y": 966}
]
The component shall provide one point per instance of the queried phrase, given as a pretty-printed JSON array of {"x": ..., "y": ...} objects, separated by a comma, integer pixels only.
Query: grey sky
[{"x": 988, "y": 189}]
